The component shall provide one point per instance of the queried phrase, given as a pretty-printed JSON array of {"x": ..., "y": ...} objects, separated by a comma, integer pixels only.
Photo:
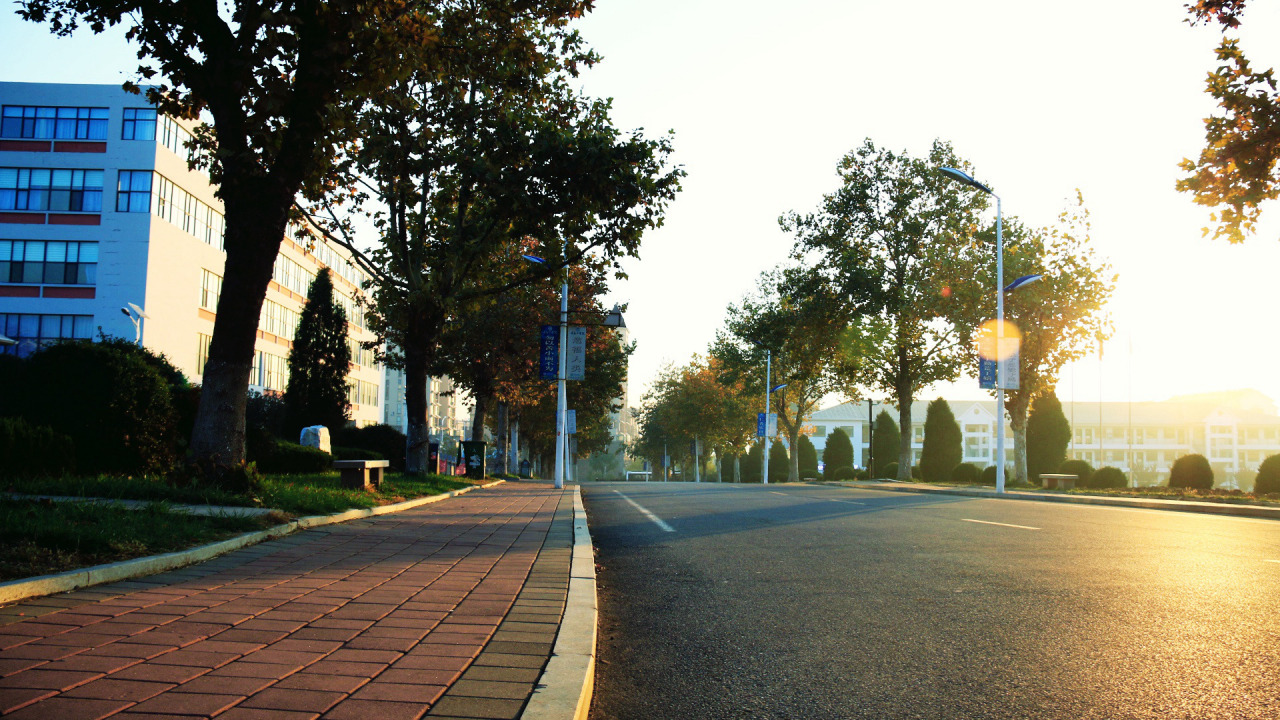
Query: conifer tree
[
  {"x": 808, "y": 457},
  {"x": 838, "y": 453},
  {"x": 943, "y": 443},
  {"x": 778, "y": 462},
  {"x": 318, "y": 364},
  {"x": 884, "y": 447},
  {"x": 1048, "y": 434}
]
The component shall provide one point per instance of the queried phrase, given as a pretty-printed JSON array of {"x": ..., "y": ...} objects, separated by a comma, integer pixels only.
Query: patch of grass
[
  {"x": 42, "y": 537},
  {"x": 1166, "y": 493},
  {"x": 320, "y": 494},
  {"x": 130, "y": 487}
]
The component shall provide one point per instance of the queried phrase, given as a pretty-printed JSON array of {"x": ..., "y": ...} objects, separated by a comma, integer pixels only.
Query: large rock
[{"x": 316, "y": 436}]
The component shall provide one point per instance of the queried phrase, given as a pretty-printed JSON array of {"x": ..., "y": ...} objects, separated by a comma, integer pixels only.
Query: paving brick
[
  {"x": 305, "y": 680},
  {"x": 64, "y": 708},
  {"x": 14, "y": 698},
  {"x": 244, "y": 713},
  {"x": 48, "y": 679},
  {"x": 492, "y": 689},
  {"x": 359, "y": 669},
  {"x": 424, "y": 661},
  {"x": 225, "y": 684},
  {"x": 112, "y": 689},
  {"x": 478, "y": 708},
  {"x": 502, "y": 674},
  {"x": 262, "y": 670},
  {"x": 381, "y": 709},
  {"x": 187, "y": 704},
  {"x": 293, "y": 699},
  {"x": 399, "y": 692},
  {"x": 160, "y": 673}
]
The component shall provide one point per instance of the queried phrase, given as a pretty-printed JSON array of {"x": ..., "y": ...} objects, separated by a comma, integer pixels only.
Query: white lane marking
[
  {"x": 656, "y": 520},
  {"x": 775, "y": 492},
  {"x": 1272, "y": 561},
  {"x": 846, "y": 502},
  {"x": 988, "y": 522}
]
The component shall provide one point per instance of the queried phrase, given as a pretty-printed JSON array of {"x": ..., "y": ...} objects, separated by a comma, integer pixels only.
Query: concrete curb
[
  {"x": 16, "y": 590},
  {"x": 1191, "y": 506},
  {"x": 565, "y": 688}
]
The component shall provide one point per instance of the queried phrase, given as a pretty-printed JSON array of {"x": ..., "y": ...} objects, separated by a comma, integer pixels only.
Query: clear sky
[{"x": 1043, "y": 98}]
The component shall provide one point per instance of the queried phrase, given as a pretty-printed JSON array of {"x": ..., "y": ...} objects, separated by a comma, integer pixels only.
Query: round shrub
[
  {"x": 843, "y": 473},
  {"x": 915, "y": 473},
  {"x": 385, "y": 440},
  {"x": 115, "y": 407},
  {"x": 1108, "y": 477},
  {"x": 292, "y": 458},
  {"x": 350, "y": 453},
  {"x": 864, "y": 474},
  {"x": 989, "y": 475},
  {"x": 1191, "y": 471},
  {"x": 890, "y": 471},
  {"x": 1081, "y": 469},
  {"x": 28, "y": 450},
  {"x": 965, "y": 473},
  {"x": 1268, "y": 479}
]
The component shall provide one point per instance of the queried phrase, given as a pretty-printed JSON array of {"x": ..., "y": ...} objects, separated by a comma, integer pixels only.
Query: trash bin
[
  {"x": 433, "y": 458},
  {"x": 473, "y": 458}
]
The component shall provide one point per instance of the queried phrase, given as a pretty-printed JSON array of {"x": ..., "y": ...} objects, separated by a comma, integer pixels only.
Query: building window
[
  {"x": 181, "y": 209},
  {"x": 36, "y": 331},
  {"x": 210, "y": 291},
  {"x": 134, "y": 191},
  {"x": 48, "y": 262},
  {"x": 50, "y": 189},
  {"x": 202, "y": 351},
  {"x": 177, "y": 139},
  {"x": 360, "y": 392},
  {"x": 819, "y": 430},
  {"x": 50, "y": 123},
  {"x": 278, "y": 320},
  {"x": 360, "y": 355},
  {"x": 271, "y": 371},
  {"x": 139, "y": 124}
]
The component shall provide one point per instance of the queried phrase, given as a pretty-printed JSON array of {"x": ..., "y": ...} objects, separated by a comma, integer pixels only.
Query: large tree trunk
[
  {"x": 793, "y": 439},
  {"x": 417, "y": 405},
  {"x": 737, "y": 468},
  {"x": 479, "y": 416},
  {"x": 904, "y": 431},
  {"x": 500, "y": 437},
  {"x": 513, "y": 466},
  {"x": 255, "y": 225},
  {"x": 1018, "y": 422}
]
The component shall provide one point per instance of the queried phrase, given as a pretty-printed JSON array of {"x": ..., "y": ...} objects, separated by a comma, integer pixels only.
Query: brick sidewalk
[{"x": 446, "y": 610}]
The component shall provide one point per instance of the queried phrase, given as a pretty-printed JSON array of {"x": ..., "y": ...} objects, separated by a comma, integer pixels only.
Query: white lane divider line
[
  {"x": 988, "y": 522},
  {"x": 775, "y": 492},
  {"x": 846, "y": 502},
  {"x": 656, "y": 520},
  {"x": 1272, "y": 561}
]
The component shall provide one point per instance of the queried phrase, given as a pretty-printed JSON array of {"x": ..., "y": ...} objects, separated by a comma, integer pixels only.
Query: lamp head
[
  {"x": 776, "y": 388},
  {"x": 1022, "y": 281},
  {"x": 534, "y": 258},
  {"x": 126, "y": 312},
  {"x": 964, "y": 177}
]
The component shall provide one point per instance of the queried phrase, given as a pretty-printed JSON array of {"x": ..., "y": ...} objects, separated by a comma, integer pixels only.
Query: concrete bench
[
  {"x": 1060, "y": 482},
  {"x": 361, "y": 474}
]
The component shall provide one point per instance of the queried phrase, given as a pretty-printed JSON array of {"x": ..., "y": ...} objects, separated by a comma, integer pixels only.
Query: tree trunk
[
  {"x": 478, "y": 417},
  {"x": 255, "y": 227},
  {"x": 500, "y": 437},
  {"x": 737, "y": 468},
  {"x": 1018, "y": 422},
  {"x": 417, "y": 407},
  {"x": 793, "y": 438},
  {"x": 904, "y": 430}
]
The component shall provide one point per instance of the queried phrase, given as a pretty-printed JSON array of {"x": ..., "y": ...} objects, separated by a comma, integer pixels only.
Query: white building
[
  {"x": 1235, "y": 431},
  {"x": 99, "y": 209}
]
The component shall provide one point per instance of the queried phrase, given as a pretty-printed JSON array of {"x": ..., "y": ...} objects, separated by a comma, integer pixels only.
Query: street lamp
[
  {"x": 135, "y": 313},
  {"x": 967, "y": 179}
]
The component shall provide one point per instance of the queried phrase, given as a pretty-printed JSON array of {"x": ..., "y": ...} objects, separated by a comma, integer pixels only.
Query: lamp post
[
  {"x": 967, "y": 179},
  {"x": 764, "y": 443},
  {"x": 135, "y": 313}
]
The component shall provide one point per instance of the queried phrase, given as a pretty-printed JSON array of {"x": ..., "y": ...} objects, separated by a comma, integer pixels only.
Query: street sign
[
  {"x": 986, "y": 374},
  {"x": 571, "y": 421},
  {"x": 1012, "y": 366},
  {"x": 577, "y": 359},
  {"x": 549, "y": 353},
  {"x": 766, "y": 427}
]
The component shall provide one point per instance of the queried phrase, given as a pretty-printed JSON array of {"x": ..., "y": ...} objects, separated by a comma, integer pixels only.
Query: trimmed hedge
[
  {"x": 890, "y": 471},
  {"x": 1108, "y": 477},
  {"x": 1191, "y": 471},
  {"x": 966, "y": 473},
  {"x": 291, "y": 459},
  {"x": 1268, "y": 480},
  {"x": 1081, "y": 469},
  {"x": 843, "y": 473},
  {"x": 28, "y": 450},
  {"x": 989, "y": 475},
  {"x": 349, "y": 453},
  {"x": 385, "y": 440}
]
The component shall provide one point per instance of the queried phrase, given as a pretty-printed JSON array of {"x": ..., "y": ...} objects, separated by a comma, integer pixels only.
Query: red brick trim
[
  {"x": 25, "y": 145},
  {"x": 22, "y": 218},
  {"x": 56, "y": 219},
  {"x": 79, "y": 146},
  {"x": 19, "y": 291},
  {"x": 84, "y": 293}
]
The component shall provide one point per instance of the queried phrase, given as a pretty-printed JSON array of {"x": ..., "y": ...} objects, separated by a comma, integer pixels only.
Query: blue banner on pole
[
  {"x": 549, "y": 353},
  {"x": 986, "y": 374}
]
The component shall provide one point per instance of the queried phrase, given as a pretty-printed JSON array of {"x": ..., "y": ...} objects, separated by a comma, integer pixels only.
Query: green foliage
[
  {"x": 844, "y": 472},
  {"x": 838, "y": 452},
  {"x": 1081, "y": 469},
  {"x": 808, "y": 457},
  {"x": 885, "y": 445},
  {"x": 319, "y": 361},
  {"x": 890, "y": 471},
  {"x": 115, "y": 407},
  {"x": 1108, "y": 477},
  {"x": 1268, "y": 479},
  {"x": 1191, "y": 471},
  {"x": 752, "y": 464},
  {"x": 965, "y": 474},
  {"x": 916, "y": 473},
  {"x": 387, "y": 442},
  {"x": 989, "y": 475},
  {"x": 291, "y": 458},
  {"x": 28, "y": 450},
  {"x": 350, "y": 453},
  {"x": 1048, "y": 434},
  {"x": 779, "y": 462},
  {"x": 943, "y": 442}
]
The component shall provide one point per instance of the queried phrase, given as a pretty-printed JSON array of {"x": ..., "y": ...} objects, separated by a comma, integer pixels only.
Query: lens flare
[{"x": 1010, "y": 340}]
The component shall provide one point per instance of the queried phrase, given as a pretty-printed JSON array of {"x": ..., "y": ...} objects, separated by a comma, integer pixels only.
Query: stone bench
[
  {"x": 1058, "y": 482},
  {"x": 361, "y": 474}
]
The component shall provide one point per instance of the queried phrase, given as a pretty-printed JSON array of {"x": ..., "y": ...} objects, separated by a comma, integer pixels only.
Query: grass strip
[
  {"x": 44, "y": 537},
  {"x": 320, "y": 493}
]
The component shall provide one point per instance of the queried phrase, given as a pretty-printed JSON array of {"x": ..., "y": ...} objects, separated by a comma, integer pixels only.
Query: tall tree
[
  {"x": 801, "y": 323},
  {"x": 1048, "y": 435},
  {"x": 319, "y": 361},
  {"x": 279, "y": 80},
  {"x": 483, "y": 146},
  {"x": 943, "y": 442},
  {"x": 897, "y": 219},
  {"x": 884, "y": 445},
  {"x": 1239, "y": 167},
  {"x": 1060, "y": 317},
  {"x": 837, "y": 453}
]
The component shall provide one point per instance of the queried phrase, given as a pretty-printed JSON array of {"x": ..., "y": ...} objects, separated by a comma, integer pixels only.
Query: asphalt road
[{"x": 799, "y": 601}]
